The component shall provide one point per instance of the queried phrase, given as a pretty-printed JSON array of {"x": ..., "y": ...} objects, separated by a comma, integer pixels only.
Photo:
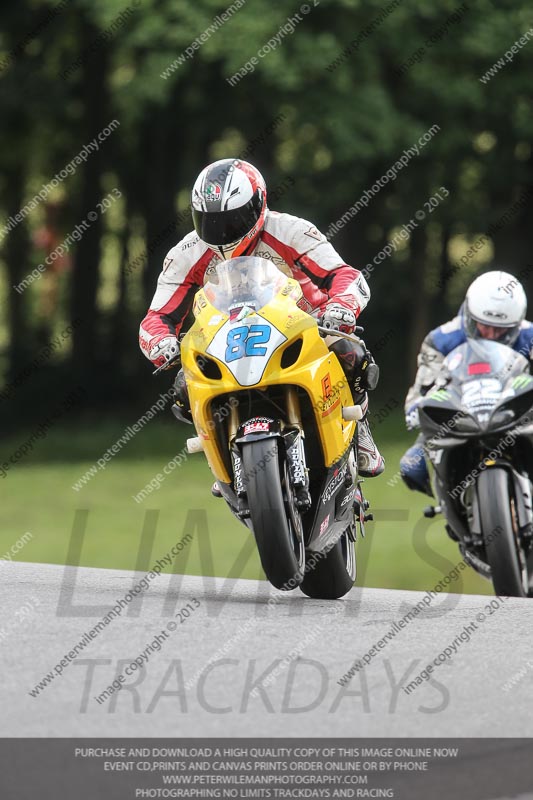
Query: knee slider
[
  {"x": 371, "y": 376},
  {"x": 351, "y": 356}
]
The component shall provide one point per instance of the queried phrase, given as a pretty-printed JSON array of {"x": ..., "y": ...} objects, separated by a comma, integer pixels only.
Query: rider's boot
[
  {"x": 370, "y": 462},
  {"x": 414, "y": 468}
]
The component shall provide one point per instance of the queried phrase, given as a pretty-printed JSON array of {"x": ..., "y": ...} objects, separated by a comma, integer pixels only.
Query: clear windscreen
[
  {"x": 478, "y": 358},
  {"x": 245, "y": 282},
  {"x": 479, "y": 371}
]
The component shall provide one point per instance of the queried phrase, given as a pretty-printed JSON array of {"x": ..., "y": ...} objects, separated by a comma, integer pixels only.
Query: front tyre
[
  {"x": 330, "y": 576},
  {"x": 280, "y": 550},
  {"x": 500, "y": 533}
]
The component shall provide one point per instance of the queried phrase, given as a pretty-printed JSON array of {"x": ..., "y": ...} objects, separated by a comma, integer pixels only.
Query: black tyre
[
  {"x": 333, "y": 575},
  {"x": 500, "y": 533},
  {"x": 281, "y": 552}
]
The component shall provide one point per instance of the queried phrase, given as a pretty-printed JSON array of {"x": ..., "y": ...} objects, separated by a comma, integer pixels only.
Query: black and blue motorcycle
[{"x": 477, "y": 424}]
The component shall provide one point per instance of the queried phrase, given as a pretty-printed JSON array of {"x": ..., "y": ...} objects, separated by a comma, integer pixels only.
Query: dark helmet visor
[{"x": 219, "y": 228}]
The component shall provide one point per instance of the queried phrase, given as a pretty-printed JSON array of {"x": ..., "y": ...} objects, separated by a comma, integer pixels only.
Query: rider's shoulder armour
[{"x": 447, "y": 337}]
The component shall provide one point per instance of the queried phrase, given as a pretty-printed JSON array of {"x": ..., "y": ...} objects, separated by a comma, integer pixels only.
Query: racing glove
[
  {"x": 412, "y": 418},
  {"x": 165, "y": 350},
  {"x": 339, "y": 318}
]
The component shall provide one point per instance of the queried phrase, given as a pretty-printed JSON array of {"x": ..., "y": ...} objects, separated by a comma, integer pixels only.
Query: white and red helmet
[{"x": 229, "y": 206}]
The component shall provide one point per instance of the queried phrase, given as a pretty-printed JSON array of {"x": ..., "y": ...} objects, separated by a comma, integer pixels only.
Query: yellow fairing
[{"x": 316, "y": 370}]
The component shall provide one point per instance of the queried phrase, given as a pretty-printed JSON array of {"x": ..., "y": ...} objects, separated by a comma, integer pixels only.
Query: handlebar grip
[{"x": 334, "y": 332}]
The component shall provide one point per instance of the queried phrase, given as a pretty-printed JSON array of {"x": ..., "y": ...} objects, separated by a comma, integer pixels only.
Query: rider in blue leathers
[{"x": 494, "y": 308}]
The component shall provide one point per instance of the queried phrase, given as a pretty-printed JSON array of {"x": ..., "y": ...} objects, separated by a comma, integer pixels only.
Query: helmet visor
[
  {"x": 483, "y": 329},
  {"x": 476, "y": 329},
  {"x": 219, "y": 228},
  {"x": 497, "y": 333}
]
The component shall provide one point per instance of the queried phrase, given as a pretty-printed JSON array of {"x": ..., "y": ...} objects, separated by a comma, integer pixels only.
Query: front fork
[{"x": 293, "y": 441}]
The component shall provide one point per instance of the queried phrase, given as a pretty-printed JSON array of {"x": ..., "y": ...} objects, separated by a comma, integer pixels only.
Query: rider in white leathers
[{"x": 231, "y": 219}]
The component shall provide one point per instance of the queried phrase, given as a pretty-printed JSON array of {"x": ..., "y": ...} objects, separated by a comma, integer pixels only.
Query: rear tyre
[
  {"x": 500, "y": 533},
  {"x": 330, "y": 576},
  {"x": 281, "y": 552}
]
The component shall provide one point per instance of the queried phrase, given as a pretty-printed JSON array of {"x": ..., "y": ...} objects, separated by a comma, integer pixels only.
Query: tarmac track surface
[{"x": 203, "y": 681}]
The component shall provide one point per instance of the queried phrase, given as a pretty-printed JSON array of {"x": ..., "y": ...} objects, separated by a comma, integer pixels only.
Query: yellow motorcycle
[{"x": 276, "y": 420}]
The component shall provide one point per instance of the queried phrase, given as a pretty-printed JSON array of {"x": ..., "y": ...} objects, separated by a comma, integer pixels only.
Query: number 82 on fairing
[{"x": 245, "y": 341}]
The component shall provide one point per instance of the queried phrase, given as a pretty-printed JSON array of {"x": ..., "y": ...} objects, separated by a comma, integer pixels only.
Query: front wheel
[
  {"x": 499, "y": 525},
  {"x": 331, "y": 575},
  {"x": 280, "y": 547}
]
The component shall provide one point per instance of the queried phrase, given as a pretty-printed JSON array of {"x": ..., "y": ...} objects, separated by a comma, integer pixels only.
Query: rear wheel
[
  {"x": 499, "y": 525},
  {"x": 330, "y": 576},
  {"x": 275, "y": 523}
]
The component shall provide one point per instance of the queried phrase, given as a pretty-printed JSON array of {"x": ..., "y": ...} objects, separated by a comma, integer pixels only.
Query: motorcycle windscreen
[
  {"x": 244, "y": 282},
  {"x": 477, "y": 358},
  {"x": 240, "y": 288},
  {"x": 479, "y": 370}
]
